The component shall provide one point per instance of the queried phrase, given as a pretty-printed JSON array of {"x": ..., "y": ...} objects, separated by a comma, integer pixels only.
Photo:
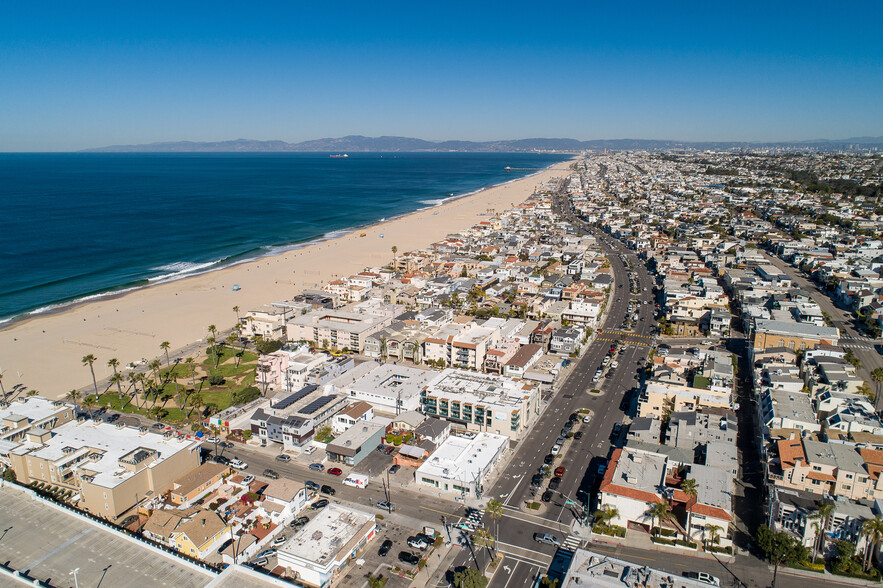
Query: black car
[
  {"x": 299, "y": 522},
  {"x": 537, "y": 480},
  {"x": 573, "y": 417},
  {"x": 326, "y": 489},
  {"x": 272, "y": 474},
  {"x": 319, "y": 504},
  {"x": 112, "y": 418},
  {"x": 394, "y": 468},
  {"x": 548, "y": 459},
  {"x": 311, "y": 486},
  {"x": 547, "y": 496},
  {"x": 222, "y": 460},
  {"x": 409, "y": 558},
  {"x": 554, "y": 483},
  {"x": 425, "y": 537},
  {"x": 384, "y": 548},
  {"x": 578, "y": 435}
]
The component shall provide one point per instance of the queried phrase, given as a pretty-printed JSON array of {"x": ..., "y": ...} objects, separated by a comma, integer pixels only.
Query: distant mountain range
[{"x": 358, "y": 143}]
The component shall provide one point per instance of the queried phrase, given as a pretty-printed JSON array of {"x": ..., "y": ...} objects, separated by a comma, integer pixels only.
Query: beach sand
[{"x": 45, "y": 352}]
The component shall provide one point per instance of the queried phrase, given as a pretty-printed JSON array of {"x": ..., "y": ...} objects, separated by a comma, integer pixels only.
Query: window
[
  {"x": 846, "y": 486},
  {"x": 848, "y": 476}
]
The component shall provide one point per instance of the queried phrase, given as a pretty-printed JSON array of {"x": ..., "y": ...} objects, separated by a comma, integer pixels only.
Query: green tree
[
  {"x": 114, "y": 363},
  {"x": 377, "y": 581},
  {"x": 872, "y": 529},
  {"x": 89, "y": 360},
  {"x": 394, "y": 251},
  {"x": 89, "y": 402},
  {"x": 117, "y": 378},
  {"x": 691, "y": 489},
  {"x": 470, "y": 578},
  {"x": 877, "y": 377},
  {"x": 779, "y": 547},
  {"x": 236, "y": 310},
  {"x": 483, "y": 539},
  {"x": 824, "y": 510},
  {"x": 494, "y": 510},
  {"x": 606, "y": 514},
  {"x": 74, "y": 396},
  {"x": 9, "y": 475},
  {"x": 713, "y": 534},
  {"x": 660, "y": 511},
  {"x": 155, "y": 366},
  {"x": 192, "y": 369}
]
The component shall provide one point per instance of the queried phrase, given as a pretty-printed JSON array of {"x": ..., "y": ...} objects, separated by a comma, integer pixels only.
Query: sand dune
[{"x": 45, "y": 352}]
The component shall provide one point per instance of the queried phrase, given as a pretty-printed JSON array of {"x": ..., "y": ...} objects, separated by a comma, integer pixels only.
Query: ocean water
[{"x": 80, "y": 225}]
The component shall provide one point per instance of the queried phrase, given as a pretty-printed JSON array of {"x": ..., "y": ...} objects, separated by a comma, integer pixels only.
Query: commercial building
[
  {"x": 357, "y": 442},
  {"x": 111, "y": 467},
  {"x": 292, "y": 419},
  {"x": 461, "y": 464},
  {"x": 482, "y": 402},
  {"x": 320, "y": 551},
  {"x": 588, "y": 568},
  {"x": 389, "y": 388}
]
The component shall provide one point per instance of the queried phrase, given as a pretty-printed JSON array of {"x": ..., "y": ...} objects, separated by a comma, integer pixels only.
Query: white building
[
  {"x": 389, "y": 388},
  {"x": 460, "y": 465},
  {"x": 323, "y": 547}
]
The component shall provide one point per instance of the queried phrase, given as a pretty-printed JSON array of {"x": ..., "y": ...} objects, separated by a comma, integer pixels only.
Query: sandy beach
[{"x": 44, "y": 353}]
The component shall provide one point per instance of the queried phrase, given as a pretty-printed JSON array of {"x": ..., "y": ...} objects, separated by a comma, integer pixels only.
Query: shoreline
[
  {"x": 237, "y": 260},
  {"x": 43, "y": 352}
]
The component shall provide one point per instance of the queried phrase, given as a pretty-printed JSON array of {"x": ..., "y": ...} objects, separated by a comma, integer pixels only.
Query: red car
[
  {"x": 559, "y": 471},
  {"x": 335, "y": 471}
]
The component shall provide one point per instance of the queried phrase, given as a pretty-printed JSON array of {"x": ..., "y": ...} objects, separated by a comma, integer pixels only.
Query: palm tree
[
  {"x": 192, "y": 368},
  {"x": 483, "y": 539},
  {"x": 824, "y": 510},
  {"x": 494, "y": 510},
  {"x": 877, "y": 377},
  {"x": 117, "y": 379},
  {"x": 211, "y": 341},
  {"x": 606, "y": 514},
  {"x": 873, "y": 530},
  {"x": 89, "y": 402},
  {"x": 236, "y": 310},
  {"x": 2, "y": 389},
  {"x": 133, "y": 381},
  {"x": 74, "y": 396},
  {"x": 155, "y": 366},
  {"x": 691, "y": 489},
  {"x": 394, "y": 251},
  {"x": 660, "y": 511},
  {"x": 196, "y": 401},
  {"x": 714, "y": 533},
  {"x": 89, "y": 360}
]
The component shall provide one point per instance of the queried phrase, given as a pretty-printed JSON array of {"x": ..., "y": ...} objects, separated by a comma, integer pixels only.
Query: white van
[{"x": 356, "y": 480}]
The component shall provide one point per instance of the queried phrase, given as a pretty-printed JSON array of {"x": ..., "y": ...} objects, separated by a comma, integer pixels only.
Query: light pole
[{"x": 74, "y": 574}]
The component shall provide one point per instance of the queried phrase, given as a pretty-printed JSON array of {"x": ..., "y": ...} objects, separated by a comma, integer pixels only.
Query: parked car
[
  {"x": 157, "y": 426},
  {"x": 211, "y": 439},
  {"x": 384, "y": 548},
  {"x": 554, "y": 483},
  {"x": 326, "y": 489},
  {"x": 537, "y": 480},
  {"x": 386, "y": 505},
  {"x": 417, "y": 543},
  {"x": 225, "y": 444},
  {"x": 424, "y": 537},
  {"x": 704, "y": 578},
  {"x": 299, "y": 522},
  {"x": 409, "y": 558},
  {"x": 238, "y": 464},
  {"x": 578, "y": 435},
  {"x": 272, "y": 474},
  {"x": 587, "y": 419},
  {"x": 559, "y": 471},
  {"x": 547, "y": 538},
  {"x": 283, "y": 457},
  {"x": 222, "y": 460},
  {"x": 390, "y": 449},
  {"x": 394, "y": 468},
  {"x": 335, "y": 471},
  {"x": 549, "y": 459},
  {"x": 547, "y": 496},
  {"x": 267, "y": 553},
  {"x": 555, "y": 449},
  {"x": 319, "y": 504},
  {"x": 248, "y": 479},
  {"x": 261, "y": 562},
  {"x": 280, "y": 539},
  {"x": 310, "y": 485},
  {"x": 317, "y": 467}
]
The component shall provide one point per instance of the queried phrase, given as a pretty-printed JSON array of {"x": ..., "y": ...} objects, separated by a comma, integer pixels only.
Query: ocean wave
[
  {"x": 437, "y": 202},
  {"x": 179, "y": 268}
]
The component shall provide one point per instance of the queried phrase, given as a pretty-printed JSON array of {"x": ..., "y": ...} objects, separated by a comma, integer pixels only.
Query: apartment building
[
  {"x": 335, "y": 328},
  {"x": 659, "y": 398},
  {"x": 30, "y": 413}
]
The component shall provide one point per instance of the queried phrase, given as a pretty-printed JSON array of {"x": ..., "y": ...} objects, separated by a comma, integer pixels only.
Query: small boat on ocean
[{"x": 338, "y": 155}]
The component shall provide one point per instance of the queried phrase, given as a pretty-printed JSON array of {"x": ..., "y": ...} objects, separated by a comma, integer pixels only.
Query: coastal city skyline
[{"x": 87, "y": 77}]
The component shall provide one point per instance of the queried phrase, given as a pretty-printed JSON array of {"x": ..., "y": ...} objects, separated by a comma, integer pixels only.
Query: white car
[
  {"x": 706, "y": 342},
  {"x": 211, "y": 440},
  {"x": 704, "y": 578},
  {"x": 248, "y": 479},
  {"x": 587, "y": 419},
  {"x": 238, "y": 464},
  {"x": 555, "y": 449}
]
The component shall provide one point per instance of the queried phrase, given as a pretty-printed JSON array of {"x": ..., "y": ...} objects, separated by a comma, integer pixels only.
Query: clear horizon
[{"x": 87, "y": 76}]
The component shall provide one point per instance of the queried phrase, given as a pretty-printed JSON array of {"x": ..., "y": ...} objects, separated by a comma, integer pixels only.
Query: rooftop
[
  {"x": 459, "y": 458},
  {"x": 330, "y": 533}
]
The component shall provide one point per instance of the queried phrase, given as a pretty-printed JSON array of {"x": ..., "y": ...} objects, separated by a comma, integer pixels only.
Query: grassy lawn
[
  {"x": 701, "y": 382},
  {"x": 227, "y": 355}
]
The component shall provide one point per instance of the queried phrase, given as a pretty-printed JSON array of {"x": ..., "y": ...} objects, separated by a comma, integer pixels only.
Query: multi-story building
[
  {"x": 389, "y": 388},
  {"x": 482, "y": 402},
  {"x": 112, "y": 467},
  {"x": 335, "y": 328},
  {"x": 659, "y": 398},
  {"x": 460, "y": 465},
  {"x": 31, "y": 413}
]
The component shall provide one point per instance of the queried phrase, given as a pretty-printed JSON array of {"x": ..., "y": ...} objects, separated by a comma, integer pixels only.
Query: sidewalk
[{"x": 434, "y": 572}]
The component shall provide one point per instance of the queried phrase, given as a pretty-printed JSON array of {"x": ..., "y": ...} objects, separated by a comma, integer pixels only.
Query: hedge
[{"x": 609, "y": 530}]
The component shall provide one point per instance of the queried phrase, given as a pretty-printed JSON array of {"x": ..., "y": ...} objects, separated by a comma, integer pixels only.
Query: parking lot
[
  {"x": 376, "y": 564},
  {"x": 52, "y": 543}
]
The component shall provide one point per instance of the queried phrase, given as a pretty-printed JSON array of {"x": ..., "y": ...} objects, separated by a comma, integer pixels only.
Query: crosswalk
[
  {"x": 571, "y": 543},
  {"x": 471, "y": 521},
  {"x": 624, "y": 337}
]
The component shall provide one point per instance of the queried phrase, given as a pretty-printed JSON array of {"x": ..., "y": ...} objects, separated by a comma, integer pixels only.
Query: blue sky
[{"x": 75, "y": 75}]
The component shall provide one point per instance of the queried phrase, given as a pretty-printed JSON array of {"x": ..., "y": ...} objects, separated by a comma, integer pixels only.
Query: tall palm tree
[
  {"x": 660, "y": 511},
  {"x": 873, "y": 530},
  {"x": 133, "y": 381},
  {"x": 877, "y": 377},
  {"x": 155, "y": 366},
  {"x": 2, "y": 389},
  {"x": 196, "y": 401},
  {"x": 116, "y": 378},
  {"x": 606, "y": 514},
  {"x": 394, "y": 251},
  {"x": 483, "y": 539},
  {"x": 494, "y": 510},
  {"x": 236, "y": 310},
  {"x": 89, "y": 360},
  {"x": 192, "y": 369},
  {"x": 824, "y": 510},
  {"x": 211, "y": 341},
  {"x": 713, "y": 533},
  {"x": 691, "y": 489}
]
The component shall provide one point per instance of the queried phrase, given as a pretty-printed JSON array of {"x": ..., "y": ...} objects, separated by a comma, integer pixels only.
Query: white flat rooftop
[
  {"x": 459, "y": 458},
  {"x": 330, "y": 531}
]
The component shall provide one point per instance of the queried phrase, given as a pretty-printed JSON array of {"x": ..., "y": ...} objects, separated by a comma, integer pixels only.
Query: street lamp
[{"x": 74, "y": 574}]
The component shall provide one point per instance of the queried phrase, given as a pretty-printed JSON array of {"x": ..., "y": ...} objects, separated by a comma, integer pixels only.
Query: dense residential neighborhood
[{"x": 664, "y": 355}]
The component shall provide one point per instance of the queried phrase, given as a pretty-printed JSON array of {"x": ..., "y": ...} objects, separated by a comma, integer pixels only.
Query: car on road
[
  {"x": 537, "y": 480},
  {"x": 283, "y": 458},
  {"x": 248, "y": 479},
  {"x": 326, "y": 489},
  {"x": 225, "y": 444},
  {"x": 560, "y": 441},
  {"x": 335, "y": 471},
  {"x": 587, "y": 419},
  {"x": 222, "y": 460},
  {"x": 555, "y": 449},
  {"x": 317, "y": 467},
  {"x": 280, "y": 539},
  {"x": 559, "y": 471},
  {"x": 704, "y": 578},
  {"x": 211, "y": 440},
  {"x": 386, "y": 505},
  {"x": 384, "y": 548},
  {"x": 299, "y": 522},
  {"x": 547, "y": 538},
  {"x": 554, "y": 483},
  {"x": 547, "y": 496},
  {"x": 272, "y": 474},
  {"x": 549, "y": 459},
  {"x": 310, "y": 485},
  {"x": 417, "y": 543},
  {"x": 238, "y": 464},
  {"x": 319, "y": 504},
  {"x": 394, "y": 468},
  {"x": 409, "y": 558},
  {"x": 578, "y": 435}
]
